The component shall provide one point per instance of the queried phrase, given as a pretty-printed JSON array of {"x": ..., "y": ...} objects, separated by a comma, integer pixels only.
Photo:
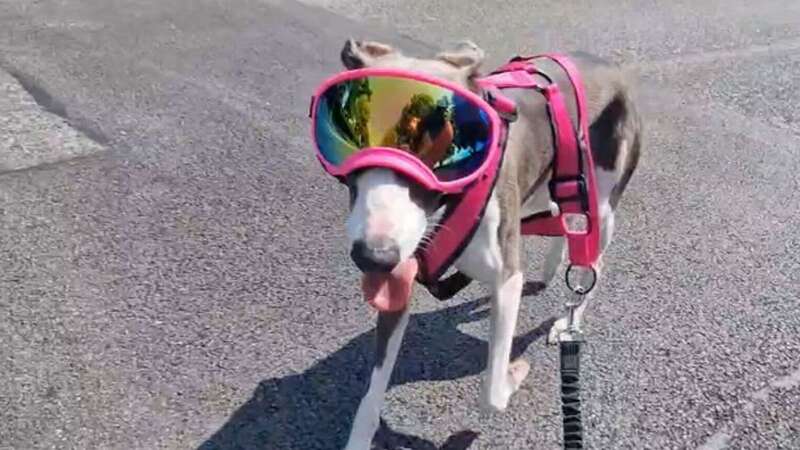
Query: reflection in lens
[{"x": 446, "y": 131}]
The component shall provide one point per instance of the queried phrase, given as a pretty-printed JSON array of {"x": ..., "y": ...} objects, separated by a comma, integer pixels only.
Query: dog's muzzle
[{"x": 370, "y": 259}]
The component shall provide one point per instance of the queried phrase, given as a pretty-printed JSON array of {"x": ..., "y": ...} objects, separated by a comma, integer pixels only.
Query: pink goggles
[{"x": 435, "y": 132}]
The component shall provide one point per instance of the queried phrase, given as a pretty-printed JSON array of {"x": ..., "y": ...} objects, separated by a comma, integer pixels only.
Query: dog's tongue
[{"x": 390, "y": 292}]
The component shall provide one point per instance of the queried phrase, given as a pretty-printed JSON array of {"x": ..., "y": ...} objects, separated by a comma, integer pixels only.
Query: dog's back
[
  {"x": 615, "y": 130},
  {"x": 616, "y": 126}
]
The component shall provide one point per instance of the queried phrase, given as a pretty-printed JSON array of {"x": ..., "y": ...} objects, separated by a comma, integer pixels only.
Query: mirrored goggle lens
[{"x": 444, "y": 129}]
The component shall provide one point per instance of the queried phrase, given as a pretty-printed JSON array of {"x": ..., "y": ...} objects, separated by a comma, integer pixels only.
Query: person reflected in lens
[
  {"x": 469, "y": 142},
  {"x": 425, "y": 129},
  {"x": 406, "y": 133},
  {"x": 436, "y": 133}
]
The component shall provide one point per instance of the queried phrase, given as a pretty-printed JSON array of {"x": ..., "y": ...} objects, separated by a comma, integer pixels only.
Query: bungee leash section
[
  {"x": 570, "y": 394},
  {"x": 569, "y": 343}
]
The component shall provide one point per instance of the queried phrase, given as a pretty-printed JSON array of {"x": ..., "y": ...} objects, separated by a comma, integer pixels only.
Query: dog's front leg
[
  {"x": 503, "y": 377},
  {"x": 493, "y": 258},
  {"x": 390, "y": 330}
]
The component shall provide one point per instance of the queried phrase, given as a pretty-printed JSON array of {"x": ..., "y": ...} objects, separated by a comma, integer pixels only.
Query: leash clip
[
  {"x": 577, "y": 288},
  {"x": 573, "y": 332}
]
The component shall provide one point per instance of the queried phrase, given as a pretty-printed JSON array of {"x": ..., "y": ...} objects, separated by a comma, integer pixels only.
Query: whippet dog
[{"x": 389, "y": 206}]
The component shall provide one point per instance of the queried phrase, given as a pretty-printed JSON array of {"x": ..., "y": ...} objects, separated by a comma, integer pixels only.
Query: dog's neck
[{"x": 528, "y": 154}]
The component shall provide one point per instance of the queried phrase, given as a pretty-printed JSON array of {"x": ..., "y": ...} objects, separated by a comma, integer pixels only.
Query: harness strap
[
  {"x": 572, "y": 186},
  {"x": 450, "y": 241}
]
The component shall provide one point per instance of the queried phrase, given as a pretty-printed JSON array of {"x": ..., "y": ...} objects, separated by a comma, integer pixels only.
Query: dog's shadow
[{"x": 314, "y": 409}]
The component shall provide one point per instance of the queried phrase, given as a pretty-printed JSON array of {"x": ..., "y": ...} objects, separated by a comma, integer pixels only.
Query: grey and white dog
[{"x": 407, "y": 212}]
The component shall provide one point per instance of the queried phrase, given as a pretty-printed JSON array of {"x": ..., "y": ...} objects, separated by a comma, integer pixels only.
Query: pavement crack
[
  {"x": 39, "y": 93},
  {"x": 51, "y": 104},
  {"x": 53, "y": 164}
]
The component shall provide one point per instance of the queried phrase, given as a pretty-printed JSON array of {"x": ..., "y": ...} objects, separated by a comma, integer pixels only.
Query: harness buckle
[{"x": 562, "y": 189}]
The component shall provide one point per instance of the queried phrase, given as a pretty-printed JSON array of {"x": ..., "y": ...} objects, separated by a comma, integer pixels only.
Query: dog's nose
[{"x": 370, "y": 259}]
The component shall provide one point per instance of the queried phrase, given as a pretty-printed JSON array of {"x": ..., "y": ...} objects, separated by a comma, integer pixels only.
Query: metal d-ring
[{"x": 580, "y": 290}]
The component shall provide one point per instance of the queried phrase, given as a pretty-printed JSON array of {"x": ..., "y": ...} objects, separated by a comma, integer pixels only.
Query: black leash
[
  {"x": 569, "y": 343},
  {"x": 571, "y": 394}
]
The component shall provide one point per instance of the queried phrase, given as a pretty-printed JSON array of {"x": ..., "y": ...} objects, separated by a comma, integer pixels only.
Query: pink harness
[{"x": 572, "y": 186}]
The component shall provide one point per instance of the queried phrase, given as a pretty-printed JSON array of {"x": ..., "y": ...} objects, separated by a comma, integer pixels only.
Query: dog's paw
[
  {"x": 494, "y": 403},
  {"x": 494, "y": 399},
  {"x": 358, "y": 446},
  {"x": 517, "y": 371},
  {"x": 559, "y": 326}
]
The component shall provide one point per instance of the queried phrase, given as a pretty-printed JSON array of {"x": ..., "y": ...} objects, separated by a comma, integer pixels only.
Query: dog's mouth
[{"x": 390, "y": 291}]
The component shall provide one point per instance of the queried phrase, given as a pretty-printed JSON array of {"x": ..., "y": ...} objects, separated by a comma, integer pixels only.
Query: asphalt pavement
[{"x": 172, "y": 266}]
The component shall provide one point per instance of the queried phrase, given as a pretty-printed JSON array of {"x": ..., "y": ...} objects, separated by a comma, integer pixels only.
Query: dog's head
[{"x": 391, "y": 215}]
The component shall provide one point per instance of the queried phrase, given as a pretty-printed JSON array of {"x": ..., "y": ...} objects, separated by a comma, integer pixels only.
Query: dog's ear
[
  {"x": 359, "y": 54},
  {"x": 466, "y": 56}
]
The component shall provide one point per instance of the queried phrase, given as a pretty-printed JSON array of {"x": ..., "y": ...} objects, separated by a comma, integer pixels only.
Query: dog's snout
[{"x": 371, "y": 259}]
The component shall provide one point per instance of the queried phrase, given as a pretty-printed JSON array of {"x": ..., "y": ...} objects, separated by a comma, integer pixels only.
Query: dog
[{"x": 386, "y": 207}]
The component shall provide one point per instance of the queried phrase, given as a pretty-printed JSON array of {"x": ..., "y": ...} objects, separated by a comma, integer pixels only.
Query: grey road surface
[{"x": 173, "y": 274}]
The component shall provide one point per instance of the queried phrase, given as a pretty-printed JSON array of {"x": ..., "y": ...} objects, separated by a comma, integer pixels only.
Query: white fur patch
[
  {"x": 605, "y": 181},
  {"x": 481, "y": 260},
  {"x": 501, "y": 378},
  {"x": 384, "y": 214}
]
